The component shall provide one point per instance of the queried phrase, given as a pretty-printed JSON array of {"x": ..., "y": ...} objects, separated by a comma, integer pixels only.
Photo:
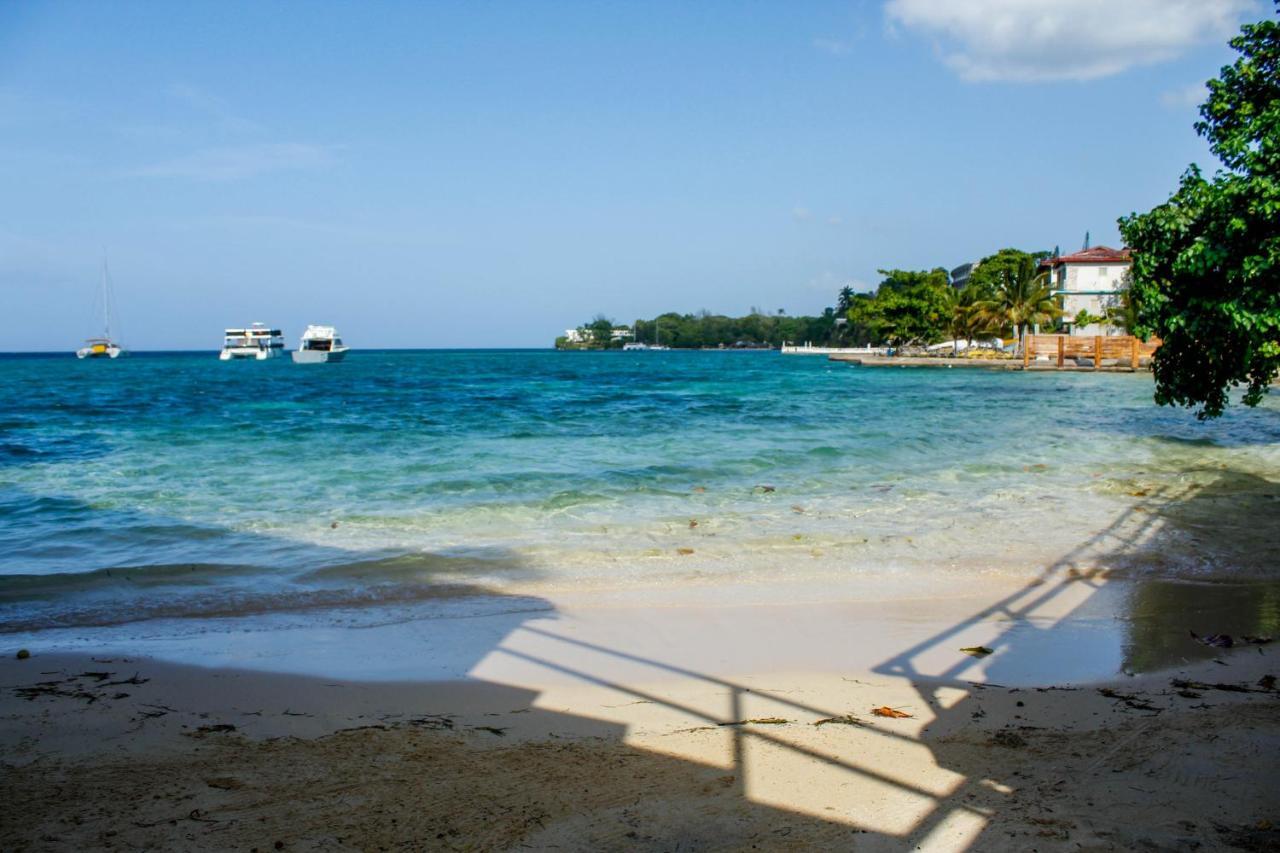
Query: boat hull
[
  {"x": 314, "y": 356},
  {"x": 254, "y": 353},
  {"x": 99, "y": 352}
]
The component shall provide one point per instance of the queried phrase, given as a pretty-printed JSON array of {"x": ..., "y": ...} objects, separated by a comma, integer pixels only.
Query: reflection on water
[{"x": 1160, "y": 615}]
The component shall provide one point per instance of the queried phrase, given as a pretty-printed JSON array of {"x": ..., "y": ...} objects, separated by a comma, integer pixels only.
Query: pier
[{"x": 1094, "y": 354}]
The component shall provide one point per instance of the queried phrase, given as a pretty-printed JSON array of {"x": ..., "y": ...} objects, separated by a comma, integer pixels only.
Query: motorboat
[
  {"x": 256, "y": 342},
  {"x": 320, "y": 345}
]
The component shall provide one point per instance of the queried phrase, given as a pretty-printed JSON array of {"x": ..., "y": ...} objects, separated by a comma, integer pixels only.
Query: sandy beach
[{"x": 608, "y": 725}]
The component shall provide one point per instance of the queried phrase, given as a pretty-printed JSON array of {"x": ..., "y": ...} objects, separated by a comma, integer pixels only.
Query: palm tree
[
  {"x": 1022, "y": 297},
  {"x": 967, "y": 319},
  {"x": 845, "y": 300}
]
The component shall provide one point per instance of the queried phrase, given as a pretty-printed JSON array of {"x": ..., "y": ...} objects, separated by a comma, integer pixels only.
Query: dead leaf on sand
[
  {"x": 1218, "y": 641},
  {"x": 693, "y": 522},
  {"x": 843, "y": 720},
  {"x": 757, "y": 721},
  {"x": 1008, "y": 738},
  {"x": 892, "y": 713},
  {"x": 1267, "y": 682},
  {"x": 699, "y": 489},
  {"x": 209, "y": 730},
  {"x": 978, "y": 651},
  {"x": 684, "y": 552},
  {"x": 766, "y": 489},
  {"x": 1130, "y": 700},
  {"x": 224, "y": 783}
]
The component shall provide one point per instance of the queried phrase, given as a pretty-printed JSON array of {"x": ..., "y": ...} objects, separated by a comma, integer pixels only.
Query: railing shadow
[
  {"x": 1023, "y": 623},
  {"x": 949, "y": 808}
]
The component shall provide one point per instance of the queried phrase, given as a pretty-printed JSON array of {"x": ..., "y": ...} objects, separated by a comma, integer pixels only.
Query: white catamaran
[
  {"x": 257, "y": 342},
  {"x": 105, "y": 346},
  {"x": 320, "y": 344}
]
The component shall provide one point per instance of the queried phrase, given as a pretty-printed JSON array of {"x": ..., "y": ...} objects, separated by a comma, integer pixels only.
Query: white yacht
[
  {"x": 320, "y": 344},
  {"x": 105, "y": 346},
  {"x": 257, "y": 342}
]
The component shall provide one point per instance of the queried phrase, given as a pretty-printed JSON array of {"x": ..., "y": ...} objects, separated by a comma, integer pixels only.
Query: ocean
[{"x": 407, "y": 484}]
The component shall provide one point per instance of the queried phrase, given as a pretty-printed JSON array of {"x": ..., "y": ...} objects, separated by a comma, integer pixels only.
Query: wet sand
[{"x": 688, "y": 727}]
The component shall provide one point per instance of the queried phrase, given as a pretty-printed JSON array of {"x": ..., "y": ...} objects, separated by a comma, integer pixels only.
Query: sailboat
[
  {"x": 636, "y": 345},
  {"x": 105, "y": 346}
]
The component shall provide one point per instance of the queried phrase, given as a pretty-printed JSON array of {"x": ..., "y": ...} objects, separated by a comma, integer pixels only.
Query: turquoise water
[{"x": 177, "y": 485}]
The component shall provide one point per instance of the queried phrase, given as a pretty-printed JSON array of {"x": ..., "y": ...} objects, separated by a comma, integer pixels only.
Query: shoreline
[{"x": 1067, "y": 625}]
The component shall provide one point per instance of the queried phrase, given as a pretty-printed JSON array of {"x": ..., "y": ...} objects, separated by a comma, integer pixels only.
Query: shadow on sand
[{"x": 485, "y": 765}]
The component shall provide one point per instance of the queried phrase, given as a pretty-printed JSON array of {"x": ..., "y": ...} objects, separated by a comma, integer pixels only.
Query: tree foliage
[
  {"x": 1014, "y": 293},
  {"x": 909, "y": 307},
  {"x": 1206, "y": 263}
]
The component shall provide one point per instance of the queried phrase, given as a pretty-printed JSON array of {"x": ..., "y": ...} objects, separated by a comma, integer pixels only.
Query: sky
[{"x": 478, "y": 174}]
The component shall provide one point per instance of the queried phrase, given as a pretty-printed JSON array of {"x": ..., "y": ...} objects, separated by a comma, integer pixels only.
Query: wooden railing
[{"x": 1122, "y": 348}]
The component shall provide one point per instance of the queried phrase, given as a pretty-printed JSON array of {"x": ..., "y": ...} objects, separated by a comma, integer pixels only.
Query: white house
[
  {"x": 1090, "y": 280},
  {"x": 583, "y": 335}
]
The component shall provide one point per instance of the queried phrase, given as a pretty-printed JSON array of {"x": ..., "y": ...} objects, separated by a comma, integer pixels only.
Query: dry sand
[{"x": 558, "y": 742}]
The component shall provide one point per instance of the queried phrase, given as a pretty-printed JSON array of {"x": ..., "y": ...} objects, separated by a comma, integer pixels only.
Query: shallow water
[{"x": 177, "y": 486}]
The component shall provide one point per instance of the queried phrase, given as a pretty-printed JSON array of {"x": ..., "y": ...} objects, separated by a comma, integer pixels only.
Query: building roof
[{"x": 1096, "y": 255}]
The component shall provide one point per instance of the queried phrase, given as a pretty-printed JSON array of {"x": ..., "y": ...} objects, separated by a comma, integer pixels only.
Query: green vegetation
[
  {"x": 909, "y": 307},
  {"x": 1005, "y": 294},
  {"x": 1206, "y": 267},
  {"x": 713, "y": 331},
  {"x": 1013, "y": 294}
]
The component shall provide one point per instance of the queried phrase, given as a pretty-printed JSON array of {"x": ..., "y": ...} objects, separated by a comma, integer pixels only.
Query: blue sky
[{"x": 487, "y": 174}]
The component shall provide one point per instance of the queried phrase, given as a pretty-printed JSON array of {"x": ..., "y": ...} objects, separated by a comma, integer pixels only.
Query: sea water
[{"x": 175, "y": 486}]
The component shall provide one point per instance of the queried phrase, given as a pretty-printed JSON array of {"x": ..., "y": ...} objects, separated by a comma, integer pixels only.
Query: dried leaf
[
  {"x": 893, "y": 713},
  {"x": 684, "y": 552},
  {"x": 844, "y": 720},
  {"x": 977, "y": 651},
  {"x": 757, "y": 721},
  {"x": 1219, "y": 641}
]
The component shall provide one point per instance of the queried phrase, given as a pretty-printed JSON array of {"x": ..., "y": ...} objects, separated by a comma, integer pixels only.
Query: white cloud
[
  {"x": 1030, "y": 40},
  {"x": 244, "y": 161},
  {"x": 1187, "y": 96}
]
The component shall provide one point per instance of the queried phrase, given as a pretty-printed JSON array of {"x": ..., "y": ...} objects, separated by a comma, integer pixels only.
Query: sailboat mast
[{"x": 106, "y": 310}]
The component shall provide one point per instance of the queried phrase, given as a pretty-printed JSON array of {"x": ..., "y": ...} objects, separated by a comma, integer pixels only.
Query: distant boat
[
  {"x": 256, "y": 342},
  {"x": 642, "y": 347},
  {"x": 105, "y": 346},
  {"x": 320, "y": 344}
]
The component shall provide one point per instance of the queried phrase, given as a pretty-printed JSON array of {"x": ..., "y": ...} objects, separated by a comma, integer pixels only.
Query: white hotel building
[{"x": 1089, "y": 280}]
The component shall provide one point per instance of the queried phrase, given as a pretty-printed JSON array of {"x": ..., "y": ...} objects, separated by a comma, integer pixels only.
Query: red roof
[{"x": 1096, "y": 255}]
